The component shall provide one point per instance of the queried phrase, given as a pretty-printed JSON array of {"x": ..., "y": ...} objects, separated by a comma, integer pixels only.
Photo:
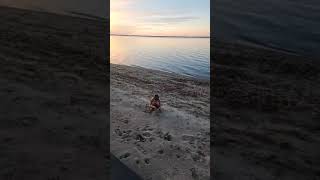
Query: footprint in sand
[
  {"x": 118, "y": 132},
  {"x": 161, "y": 151},
  {"x": 147, "y": 128},
  {"x": 191, "y": 139},
  {"x": 146, "y": 134},
  {"x": 140, "y": 149},
  {"x": 147, "y": 160},
  {"x": 195, "y": 157},
  {"x": 140, "y": 138},
  {"x": 167, "y": 137},
  {"x": 137, "y": 161},
  {"x": 125, "y": 155}
]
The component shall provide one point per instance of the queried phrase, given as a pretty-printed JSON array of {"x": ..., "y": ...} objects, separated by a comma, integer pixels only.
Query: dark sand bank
[
  {"x": 266, "y": 111},
  {"x": 53, "y": 90}
]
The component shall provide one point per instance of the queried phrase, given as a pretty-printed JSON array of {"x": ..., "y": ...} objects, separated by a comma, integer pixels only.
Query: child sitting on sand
[{"x": 154, "y": 104}]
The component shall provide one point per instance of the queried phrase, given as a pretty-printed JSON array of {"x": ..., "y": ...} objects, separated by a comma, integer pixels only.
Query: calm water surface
[{"x": 186, "y": 56}]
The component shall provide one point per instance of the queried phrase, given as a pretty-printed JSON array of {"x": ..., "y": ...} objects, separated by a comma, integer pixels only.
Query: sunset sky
[{"x": 160, "y": 17}]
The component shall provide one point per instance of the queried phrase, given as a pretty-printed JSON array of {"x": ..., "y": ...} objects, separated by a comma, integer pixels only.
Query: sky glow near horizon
[{"x": 160, "y": 17}]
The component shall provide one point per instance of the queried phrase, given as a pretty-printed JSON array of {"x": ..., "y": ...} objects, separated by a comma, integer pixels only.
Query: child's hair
[{"x": 156, "y": 97}]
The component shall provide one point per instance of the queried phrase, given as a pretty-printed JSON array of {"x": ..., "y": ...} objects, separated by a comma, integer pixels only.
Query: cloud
[
  {"x": 145, "y": 17},
  {"x": 170, "y": 19}
]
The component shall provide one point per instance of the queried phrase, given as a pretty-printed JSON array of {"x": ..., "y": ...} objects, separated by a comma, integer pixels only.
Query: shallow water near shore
[{"x": 186, "y": 56}]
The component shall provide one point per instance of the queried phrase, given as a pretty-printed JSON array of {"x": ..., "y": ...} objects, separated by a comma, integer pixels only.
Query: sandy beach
[
  {"x": 266, "y": 109},
  {"x": 54, "y": 110},
  {"x": 53, "y": 91},
  {"x": 172, "y": 144}
]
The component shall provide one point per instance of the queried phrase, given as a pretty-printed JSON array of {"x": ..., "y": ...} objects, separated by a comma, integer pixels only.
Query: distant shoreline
[{"x": 136, "y": 35}]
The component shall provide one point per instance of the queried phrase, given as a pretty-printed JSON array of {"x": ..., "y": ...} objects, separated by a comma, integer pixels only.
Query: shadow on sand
[{"x": 121, "y": 171}]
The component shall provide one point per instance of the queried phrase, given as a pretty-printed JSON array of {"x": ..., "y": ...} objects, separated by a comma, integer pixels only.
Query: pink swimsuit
[{"x": 155, "y": 103}]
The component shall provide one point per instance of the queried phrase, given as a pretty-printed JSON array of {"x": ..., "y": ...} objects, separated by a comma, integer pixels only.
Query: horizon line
[{"x": 139, "y": 35}]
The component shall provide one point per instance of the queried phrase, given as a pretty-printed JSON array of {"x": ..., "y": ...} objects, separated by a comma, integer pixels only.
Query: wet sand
[
  {"x": 266, "y": 110},
  {"x": 53, "y": 91},
  {"x": 171, "y": 144}
]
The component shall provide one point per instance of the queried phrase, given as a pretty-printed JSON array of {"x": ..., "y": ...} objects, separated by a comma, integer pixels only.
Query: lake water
[{"x": 186, "y": 56}]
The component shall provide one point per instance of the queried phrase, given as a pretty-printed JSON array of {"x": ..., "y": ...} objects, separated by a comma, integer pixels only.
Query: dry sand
[
  {"x": 173, "y": 144},
  {"x": 53, "y": 91},
  {"x": 266, "y": 112}
]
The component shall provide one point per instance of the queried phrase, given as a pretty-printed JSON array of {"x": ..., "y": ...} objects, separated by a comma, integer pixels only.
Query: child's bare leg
[{"x": 152, "y": 108}]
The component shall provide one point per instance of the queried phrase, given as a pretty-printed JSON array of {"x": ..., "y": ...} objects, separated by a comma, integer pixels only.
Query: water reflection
[{"x": 187, "y": 56}]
